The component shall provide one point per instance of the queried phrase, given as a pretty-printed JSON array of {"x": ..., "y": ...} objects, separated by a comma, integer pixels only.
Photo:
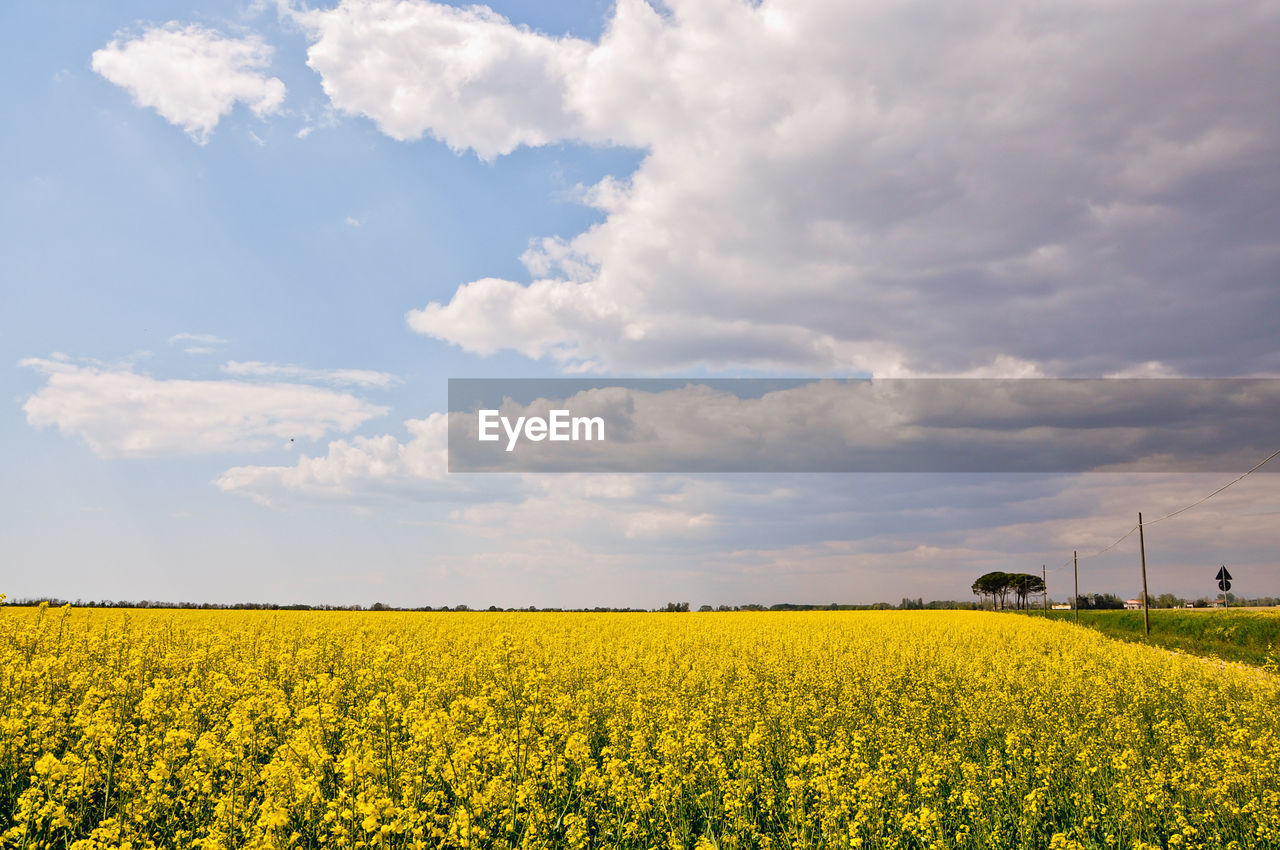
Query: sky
[{"x": 244, "y": 246}]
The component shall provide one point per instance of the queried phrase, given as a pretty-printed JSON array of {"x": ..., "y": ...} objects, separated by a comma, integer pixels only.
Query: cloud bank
[
  {"x": 879, "y": 187},
  {"x": 828, "y": 187}
]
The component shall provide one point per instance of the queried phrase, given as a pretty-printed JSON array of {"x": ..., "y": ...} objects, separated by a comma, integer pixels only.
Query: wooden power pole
[
  {"x": 1075, "y": 568},
  {"x": 1142, "y": 550},
  {"x": 1044, "y": 579}
]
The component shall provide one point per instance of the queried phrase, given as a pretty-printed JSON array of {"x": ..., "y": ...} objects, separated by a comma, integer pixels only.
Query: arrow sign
[
  {"x": 1224, "y": 585},
  {"x": 1223, "y": 575}
]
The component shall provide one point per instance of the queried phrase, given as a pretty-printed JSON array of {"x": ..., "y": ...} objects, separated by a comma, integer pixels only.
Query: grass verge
[{"x": 1239, "y": 634}]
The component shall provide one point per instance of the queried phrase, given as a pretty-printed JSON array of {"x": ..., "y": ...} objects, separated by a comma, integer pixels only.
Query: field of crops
[
  {"x": 823, "y": 729},
  {"x": 1251, "y": 635}
]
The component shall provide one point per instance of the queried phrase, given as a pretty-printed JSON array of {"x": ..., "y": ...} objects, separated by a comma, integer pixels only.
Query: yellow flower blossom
[{"x": 177, "y": 729}]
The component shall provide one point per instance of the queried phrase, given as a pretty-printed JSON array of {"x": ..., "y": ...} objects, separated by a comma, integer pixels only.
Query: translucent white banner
[{"x": 890, "y": 425}]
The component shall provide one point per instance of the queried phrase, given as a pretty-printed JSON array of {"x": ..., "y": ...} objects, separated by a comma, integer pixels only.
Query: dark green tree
[
  {"x": 995, "y": 585},
  {"x": 1025, "y": 585}
]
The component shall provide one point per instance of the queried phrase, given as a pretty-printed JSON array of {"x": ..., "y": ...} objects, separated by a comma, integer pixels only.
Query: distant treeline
[
  {"x": 906, "y": 604},
  {"x": 1098, "y": 601},
  {"x": 272, "y": 606}
]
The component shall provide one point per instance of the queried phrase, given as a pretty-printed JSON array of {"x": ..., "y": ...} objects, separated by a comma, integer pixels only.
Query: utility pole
[
  {"x": 1075, "y": 568},
  {"x": 1044, "y": 579},
  {"x": 1142, "y": 549}
]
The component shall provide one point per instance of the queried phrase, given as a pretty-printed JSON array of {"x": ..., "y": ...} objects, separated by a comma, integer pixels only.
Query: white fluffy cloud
[
  {"x": 121, "y": 413},
  {"x": 353, "y": 469},
  {"x": 289, "y": 372},
  {"x": 364, "y": 470},
  {"x": 192, "y": 76},
  {"x": 465, "y": 75},
  {"x": 879, "y": 186}
]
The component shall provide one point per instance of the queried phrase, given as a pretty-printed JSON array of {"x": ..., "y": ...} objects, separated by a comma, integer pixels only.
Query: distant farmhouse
[{"x": 1132, "y": 604}]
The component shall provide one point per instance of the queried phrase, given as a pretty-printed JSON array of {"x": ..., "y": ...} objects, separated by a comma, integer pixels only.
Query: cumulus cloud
[
  {"x": 830, "y": 187},
  {"x": 353, "y": 469},
  {"x": 191, "y": 75},
  {"x": 286, "y": 371},
  {"x": 465, "y": 75},
  {"x": 363, "y": 470},
  {"x": 868, "y": 187},
  {"x": 119, "y": 412}
]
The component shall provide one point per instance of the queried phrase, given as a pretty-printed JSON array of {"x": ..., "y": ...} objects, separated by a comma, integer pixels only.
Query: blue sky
[{"x": 344, "y": 206}]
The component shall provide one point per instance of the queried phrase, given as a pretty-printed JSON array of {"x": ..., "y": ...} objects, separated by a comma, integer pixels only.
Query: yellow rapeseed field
[{"x": 832, "y": 729}]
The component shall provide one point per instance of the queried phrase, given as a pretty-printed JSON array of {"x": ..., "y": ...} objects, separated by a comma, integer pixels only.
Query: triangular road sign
[{"x": 1223, "y": 575}]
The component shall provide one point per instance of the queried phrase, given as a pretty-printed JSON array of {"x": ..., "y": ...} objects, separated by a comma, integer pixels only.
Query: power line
[
  {"x": 1240, "y": 478},
  {"x": 1200, "y": 501},
  {"x": 1119, "y": 540}
]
